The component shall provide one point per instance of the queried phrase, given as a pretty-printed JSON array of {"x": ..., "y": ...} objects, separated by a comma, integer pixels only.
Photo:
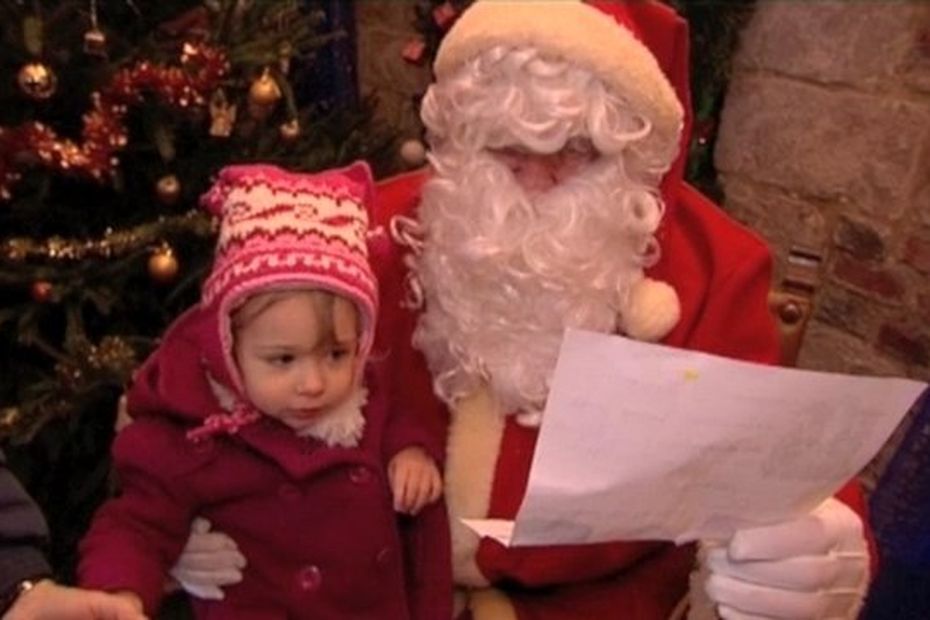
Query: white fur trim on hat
[{"x": 573, "y": 31}]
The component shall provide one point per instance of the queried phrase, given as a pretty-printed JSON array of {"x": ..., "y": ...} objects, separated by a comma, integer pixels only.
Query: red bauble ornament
[{"x": 41, "y": 291}]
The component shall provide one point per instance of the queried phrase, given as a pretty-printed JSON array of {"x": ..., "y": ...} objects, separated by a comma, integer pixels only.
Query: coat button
[
  {"x": 309, "y": 578},
  {"x": 383, "y": 556},
  {"x": 360, "y": 475},
  {"x": 289, "y": 492}
]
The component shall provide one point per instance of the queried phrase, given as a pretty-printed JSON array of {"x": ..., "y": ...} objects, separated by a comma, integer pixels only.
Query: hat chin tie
[{"x": 226, "y": 422}]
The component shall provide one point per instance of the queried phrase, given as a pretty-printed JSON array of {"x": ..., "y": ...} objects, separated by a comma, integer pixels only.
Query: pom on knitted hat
[
  {"x": 604, "y": 40},
  {"x": 286, "y": 230}
]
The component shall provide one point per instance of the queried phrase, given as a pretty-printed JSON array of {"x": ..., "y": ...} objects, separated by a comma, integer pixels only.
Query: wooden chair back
[{"x": 792, "y": 300}]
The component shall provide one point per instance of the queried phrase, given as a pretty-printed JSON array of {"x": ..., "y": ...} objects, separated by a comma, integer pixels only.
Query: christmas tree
[{"x": 114, "y": 115}]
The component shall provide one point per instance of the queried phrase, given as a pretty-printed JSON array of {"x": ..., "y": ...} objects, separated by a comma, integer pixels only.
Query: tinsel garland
[
  {"x": 104, "y": 131},
  {"x": 112, "y": 244}
]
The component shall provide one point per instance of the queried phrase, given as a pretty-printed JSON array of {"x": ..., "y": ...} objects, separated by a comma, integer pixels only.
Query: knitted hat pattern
[
  {"x": 604, "y": 40},
  {"x": 282, "y": 230}
]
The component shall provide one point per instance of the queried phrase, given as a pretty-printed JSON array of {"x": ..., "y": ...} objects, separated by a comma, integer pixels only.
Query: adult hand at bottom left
[{"x": 49, "y": 601}]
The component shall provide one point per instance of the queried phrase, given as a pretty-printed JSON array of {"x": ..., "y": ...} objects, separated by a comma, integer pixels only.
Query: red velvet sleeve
[{"x": 135, "y": 538}]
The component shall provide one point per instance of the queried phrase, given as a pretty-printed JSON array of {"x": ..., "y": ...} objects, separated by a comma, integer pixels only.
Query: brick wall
[{"x": 825, "y": 141}]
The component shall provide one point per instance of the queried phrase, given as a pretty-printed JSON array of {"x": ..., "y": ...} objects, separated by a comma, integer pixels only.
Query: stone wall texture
[{"x": 825, "y": 142}]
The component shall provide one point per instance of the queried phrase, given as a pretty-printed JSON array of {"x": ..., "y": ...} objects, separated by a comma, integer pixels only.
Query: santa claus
[{"x": 555, "y": 199}]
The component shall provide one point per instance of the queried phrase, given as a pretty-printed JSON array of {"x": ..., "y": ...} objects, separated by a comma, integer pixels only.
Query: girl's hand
[{"x": 415, "y": 480}]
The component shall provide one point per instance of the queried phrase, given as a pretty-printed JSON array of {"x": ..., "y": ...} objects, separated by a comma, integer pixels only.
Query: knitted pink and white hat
[{"x": 282, "y": 230}]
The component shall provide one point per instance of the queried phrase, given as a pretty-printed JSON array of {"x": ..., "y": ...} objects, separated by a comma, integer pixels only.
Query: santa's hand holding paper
[{"x": 814, "y": 567}]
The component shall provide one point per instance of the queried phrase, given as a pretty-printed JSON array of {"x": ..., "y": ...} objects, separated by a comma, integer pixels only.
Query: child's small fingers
[
  {"x": 435, "y": 490},
  {"x": 402, "y": 494},
  {"x": 429, "y": 487},
  {"x": 393, "y": 478},
  {"x": 427, "y": 490},
  {"x": 432, "y": 486},
  {"x": 416, "y": 500},
  {"x": 414, "y": 495}
]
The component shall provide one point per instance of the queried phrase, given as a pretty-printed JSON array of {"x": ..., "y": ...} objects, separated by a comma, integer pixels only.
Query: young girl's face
[{"x": 296, "y": 353}]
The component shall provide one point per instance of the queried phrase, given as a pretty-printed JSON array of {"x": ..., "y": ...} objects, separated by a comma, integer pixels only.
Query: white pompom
[
  {"x": 652, "y": 312},
  {"x": 413, "y": 153}
]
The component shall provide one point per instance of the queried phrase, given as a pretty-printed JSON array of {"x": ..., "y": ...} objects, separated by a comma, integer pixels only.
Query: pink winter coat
[{"x": 315, "y": 522}]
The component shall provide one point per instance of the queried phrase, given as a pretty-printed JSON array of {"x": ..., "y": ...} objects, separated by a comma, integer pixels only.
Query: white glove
[
  {"x": 209, "y": 560},
  {"x": 815, "y": 567}
]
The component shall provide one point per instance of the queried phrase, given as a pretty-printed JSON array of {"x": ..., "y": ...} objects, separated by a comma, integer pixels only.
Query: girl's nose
[{"x": 312, "y": 382}]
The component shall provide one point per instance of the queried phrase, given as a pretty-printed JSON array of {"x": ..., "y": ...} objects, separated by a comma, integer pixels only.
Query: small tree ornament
[
  {"x": 290, "y": 130},
  {"x": 37, "y": 80},
  {"x": 168, "y": 190},
  {"x": 163, "y": 264},
  {"x": 9, "y": 419},
  {"x": 222, "y": 115},
  {"x": 264, "y": 94},
  {"x": 413, "y": 153},
  {"x": 285, "y": 54},
  {"x": 95, "y": 43},
  {"x": 41, "y": 291}
]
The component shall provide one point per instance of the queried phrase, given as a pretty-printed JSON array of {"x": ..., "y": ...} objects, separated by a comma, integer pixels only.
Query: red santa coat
[
  {"x": 315, "y": 522},
  {"x": 722, "y": 274}
]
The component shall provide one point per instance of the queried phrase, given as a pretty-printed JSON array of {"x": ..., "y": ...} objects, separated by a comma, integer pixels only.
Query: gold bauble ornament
[
  {"x": 264, "y": 94},
  {"x": 116, "y": 355},
  {"x": 168, "y": 189},
  {"x": 163, "y": 265},
  {"x": 290, "y": 130},
  {"x": 41, "y": 291},
  {"x": 37, "y": 80},
  {"x": 9, "y": 419}
]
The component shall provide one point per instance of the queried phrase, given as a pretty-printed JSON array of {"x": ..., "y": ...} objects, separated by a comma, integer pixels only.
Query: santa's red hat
[{"x": 606, "y": 40}]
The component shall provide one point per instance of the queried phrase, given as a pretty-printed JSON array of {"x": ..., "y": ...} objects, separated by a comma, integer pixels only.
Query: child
[{"x": 254, "y": 414}]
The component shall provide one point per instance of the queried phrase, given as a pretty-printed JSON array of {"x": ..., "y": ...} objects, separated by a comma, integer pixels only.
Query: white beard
[{"x": 503, "y": 274}]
